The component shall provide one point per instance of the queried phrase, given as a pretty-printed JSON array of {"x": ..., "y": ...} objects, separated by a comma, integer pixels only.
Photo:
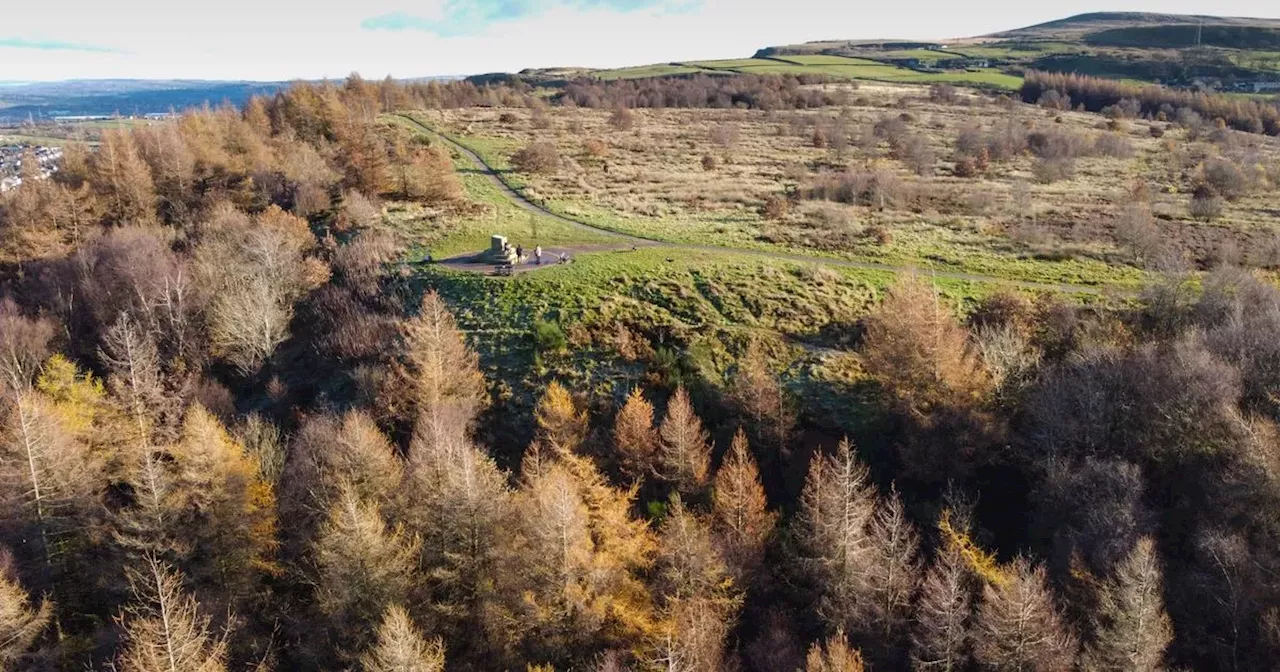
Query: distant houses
[{"x": 11, "y": 157}]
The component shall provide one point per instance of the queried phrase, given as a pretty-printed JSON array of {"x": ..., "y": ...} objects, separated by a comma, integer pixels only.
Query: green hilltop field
[{"x": 1226, "y": 53}]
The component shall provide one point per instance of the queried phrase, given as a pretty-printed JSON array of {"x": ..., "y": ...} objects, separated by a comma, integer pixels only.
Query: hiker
[
  {"x": 519, "y": 254},
  {"x": 537, "y": 255}
]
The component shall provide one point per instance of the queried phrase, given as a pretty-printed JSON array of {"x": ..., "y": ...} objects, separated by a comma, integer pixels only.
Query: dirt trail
[{"x": 625, "y": 239}]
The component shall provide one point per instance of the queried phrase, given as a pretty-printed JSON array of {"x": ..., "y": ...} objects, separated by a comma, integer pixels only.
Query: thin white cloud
[{"x": 285, "y": 39}]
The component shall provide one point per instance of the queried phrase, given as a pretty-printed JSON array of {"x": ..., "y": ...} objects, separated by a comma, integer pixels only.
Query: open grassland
[
  {"x": 487, "y": 211},
  {"x": 837, "y": 67},
  {"x": 644, "y": 71},
  {"x": 729, "y": 64},
  {"x": 702, "y": 177},
  {"x": 823, "y": 59}
]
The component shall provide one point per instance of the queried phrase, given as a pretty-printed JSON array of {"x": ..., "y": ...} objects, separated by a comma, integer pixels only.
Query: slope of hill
[
  {"x": 1229, "y": 52},
  {"x": 1080, "y": 25}
]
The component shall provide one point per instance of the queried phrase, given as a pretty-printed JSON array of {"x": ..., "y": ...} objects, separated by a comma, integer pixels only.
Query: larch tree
[
  {"x": 940, "y": 636},
  {"x": 761, "y": 399},
  {"x": 921, "y": 354},
  {"x": 461, "y": 506},
  {"x": 1132, "y": 628},
  {"x": 137, "y": 384},
  {"x": 1018, "y": 627},
  {"x": 21, "y": 623},
  {"x": 833, "y": 655},
  {"x": 24, "y": 346},
  {"x": 123, "y": 180},
  {"x": 562, "y": 427},
  {"x": 836, "y": 549},
  {"x": 327, "y": 453},
  {"x": 401, "y": 647},
  {"x": 634, "y": 436},
  {"x": 893, "y": 576},
  {"x": 49, "y": 481},
  {"x": 163, "y": 628},
  {"x": 588, "y": 587},
  {"x": 439, "y": 375},
  {"x": 684, "y": 454},
  {"x": 695, "y": 593},
  {"x": 362, "y": 566},
  {"x": 227, "y": 514},
  {"x": 740, "y": 515}
]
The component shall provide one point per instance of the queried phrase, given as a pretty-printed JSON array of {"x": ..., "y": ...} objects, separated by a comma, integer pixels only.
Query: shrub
[
  {"x": 880, "y": 234},
  {"x": 508, "y": 118},
  {"x": 1054, "y": 100},
  {"x": 596, "y": 148},
  {"x": 1205, "y": 203},
  {"x": 622, "y": 119},
  {"x": 1055, "y": 144},
  {"x": 776, "y": 206},
  {"x": 1113, "y": 145},
  {"x": 709, "y": 162},
  {"x": 966, "y": 167},
  {"x": 1226, "y": 178},
  {"x": 724, "y": 135},
  {"x": 539, "y": 119},
  {"x": 969, "y": 141},
  {"x": 1007, "y": 142},
  {"x": 1053, "y": 170},
  {"x": 891, "y": 129},
  {"x": 537, "y": 157},
  {"x": 549, "y": 337},
  {"x": 1136, "y": 230},
  {"x": 943, "y": 93},
  {"x": 1156, "y": 131},
  {"x": 310, "y": 199},
  {"x": 914, "y": 152},
  {"x": 819, "y": 139},
  {"x": 879, "y": 188},
  {"x": 358, "y": 211}
]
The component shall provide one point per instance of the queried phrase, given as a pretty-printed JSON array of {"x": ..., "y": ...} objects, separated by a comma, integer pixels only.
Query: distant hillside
[
  {"x": 44, "y": 100},
  {"x": 1080, "y": 25},
  {"x": 1231, "y": 53}
]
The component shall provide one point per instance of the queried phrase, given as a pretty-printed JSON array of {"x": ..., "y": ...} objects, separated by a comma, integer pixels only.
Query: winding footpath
[{"x": 520, "y": 200}]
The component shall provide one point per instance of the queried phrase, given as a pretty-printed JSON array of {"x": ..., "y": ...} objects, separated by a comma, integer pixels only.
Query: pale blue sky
[{"x": 286, "y": 39}]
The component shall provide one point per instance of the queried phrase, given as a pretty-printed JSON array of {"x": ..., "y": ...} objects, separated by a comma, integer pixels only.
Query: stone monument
[{"x": 500, "y": 251}]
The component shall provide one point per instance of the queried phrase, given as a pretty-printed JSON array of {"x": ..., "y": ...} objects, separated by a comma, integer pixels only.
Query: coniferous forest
[{"x": 238, "y": 434}]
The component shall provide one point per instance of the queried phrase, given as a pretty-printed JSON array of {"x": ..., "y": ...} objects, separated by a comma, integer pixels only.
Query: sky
[{"x": 266, "y": 40}]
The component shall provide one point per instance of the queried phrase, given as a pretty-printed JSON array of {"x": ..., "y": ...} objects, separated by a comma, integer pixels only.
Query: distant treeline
[
  {"x": 762, "y": 92},
  {"x": 771, "y": 92},
  {"x": 1096, "y": 94}
]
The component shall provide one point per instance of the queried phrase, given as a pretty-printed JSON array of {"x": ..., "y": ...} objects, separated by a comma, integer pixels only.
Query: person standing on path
[
  {"x": 519, "y": 254},
  {"x": 537, "y": 255}
]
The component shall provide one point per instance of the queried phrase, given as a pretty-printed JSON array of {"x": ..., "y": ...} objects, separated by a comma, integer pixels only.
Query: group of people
[{"x": 537, "y": 255}]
